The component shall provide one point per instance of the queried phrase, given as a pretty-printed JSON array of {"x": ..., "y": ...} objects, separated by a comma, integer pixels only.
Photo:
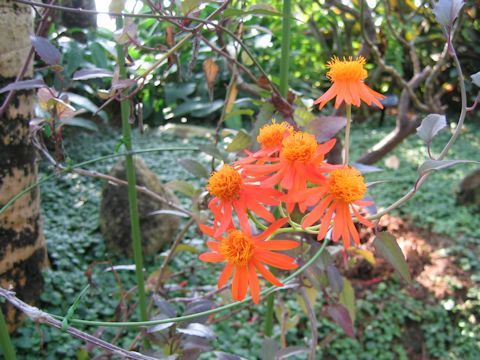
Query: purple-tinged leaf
[
  {"x": 476, "y": 78},
  {"x": 334, "y": 278},
  {"x": 164, "y": 306},
  {"x": 326, "y": 127},
  {"x": 430, "y": 127},
  {"x": 159, "y": 327},
  {"x": 226, "y": 356},
  {"x": 85, "y": 74},
  {"x": 122, "y": 84},
  {"x": 435, "y": 165},
  {"x": 364, "y": 169},
  {"x": 269, "y": 349},
  {"x": 44, "y": 48},
  {"x": 341, "y": 317},
  {"x": 291, "y": 351},
  {"x": 196, "y": 307},
  {"x": 371, "y": 209},
  {"x": 347, "y": 298},
  {"x": 23, "y": 85},
  {"x": 386, "y": 244},
  {"x": 446, "y": 11},
  {"x": 200, "y": 330},
  {"x": 168, "y": 212}
]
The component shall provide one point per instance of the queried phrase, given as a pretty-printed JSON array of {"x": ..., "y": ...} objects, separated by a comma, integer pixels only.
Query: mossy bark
[{"x": 22, "y": 246}]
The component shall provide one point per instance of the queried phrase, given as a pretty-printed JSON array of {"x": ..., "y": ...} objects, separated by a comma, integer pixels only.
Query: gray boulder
[
  {"x": 156, "y": 230},
  {"x": 469, "y": 190}
]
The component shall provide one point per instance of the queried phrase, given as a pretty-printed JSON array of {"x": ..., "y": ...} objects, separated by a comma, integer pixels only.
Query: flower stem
[
  {"x": 5, "y": 341},
  {"x": 346, "y": 146},
  {"x": 284, "y": 64},
  {"x": 285, "y": 59},
  {"x": 132, "y": 192}
]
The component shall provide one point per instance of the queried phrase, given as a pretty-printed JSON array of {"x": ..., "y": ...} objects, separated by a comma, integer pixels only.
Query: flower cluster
[{"x": 288, "y": 172}]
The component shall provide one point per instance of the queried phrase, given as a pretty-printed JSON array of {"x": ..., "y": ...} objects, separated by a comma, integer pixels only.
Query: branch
[
  {"x": 313, "y": 324},
  {"x": 42, "y": 317}
]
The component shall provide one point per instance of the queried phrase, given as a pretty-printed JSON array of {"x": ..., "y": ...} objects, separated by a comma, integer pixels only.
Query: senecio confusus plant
[{"x": 288, "y": 172}]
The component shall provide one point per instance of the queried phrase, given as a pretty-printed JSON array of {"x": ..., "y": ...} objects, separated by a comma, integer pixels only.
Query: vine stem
[
  {"x": 285, "y": 59},
  {"x": 5, "y": 341},
  {"x": 132, "y": 191},
  {"x": 346, "y": 147},
  {"x": 136, "y": 324},
  {"x": 88, "y": 162},
  {"x": 284, "y": 65}
]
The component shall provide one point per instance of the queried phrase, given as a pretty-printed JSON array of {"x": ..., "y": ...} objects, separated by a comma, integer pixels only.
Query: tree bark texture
[{"x": 22, "y": 247}]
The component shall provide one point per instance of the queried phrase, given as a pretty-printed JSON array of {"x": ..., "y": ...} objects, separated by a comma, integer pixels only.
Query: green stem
[
  {"x": 132, "y": 192},
  {"x": 284, "y": 64},
  {"x": 285, "y": 59},
  {"x": 5, "y": 342},
  {"x": 346, "y": 146},
  {"x": 137, "y": 324},
  {"x": 88, "y": 162}
]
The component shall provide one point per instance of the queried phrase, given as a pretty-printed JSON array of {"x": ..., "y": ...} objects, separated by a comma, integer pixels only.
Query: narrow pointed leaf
[
  {"x": 341, "y": 317},
  {"x": 435, "y": 165},
  {"x": 386, "y": 244},
  {"x": 239, "y": 142},
  {"x": 44, "y": 48},
  {"x": 23, "y": 85},
  {"x": 347, "y": 298},
  {"x": 194, "y": 168}
]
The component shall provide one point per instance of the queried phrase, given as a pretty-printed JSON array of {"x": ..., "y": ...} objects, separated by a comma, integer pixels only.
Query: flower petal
[
  {"x": 267, "y": 275},
  {"x": 271, "y": 229},
  {"x": 254, "y": 283},
  {"x": 225, "y": 275},
  {"x": 280, "y": 261},
  {"x": 211, "y": 257},
  {"x": 277, "y": 244}
]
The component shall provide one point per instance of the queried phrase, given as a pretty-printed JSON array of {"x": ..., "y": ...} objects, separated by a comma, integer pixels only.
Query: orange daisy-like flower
[
  {"x": 231, "y": 190},
  {"x": 300, "y": 160},
  {"x": 344, "y": 188},
  {"x": 270, "y": 138},
  {"x": 246, "y": 255},
  {"x": 347, "y": 78}
]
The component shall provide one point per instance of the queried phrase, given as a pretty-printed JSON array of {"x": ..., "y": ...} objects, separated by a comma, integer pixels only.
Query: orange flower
[
  {"x": 347, "y": 78},
  {"x": 245, "y": 255},
  {"x": 300, "y": 160},
  {"x": 270, "y": 138},
  {"x": 231, "y": 190},
  {"x": 344, "y": 188}
]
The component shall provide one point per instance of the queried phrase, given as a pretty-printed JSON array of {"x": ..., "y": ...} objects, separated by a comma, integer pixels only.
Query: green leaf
[
  {"x": 239, "y": 142},
  {"x": 194, "y": 168},
  {"x": 213, "y": 151},
  {"x": 189, "y": 5},
  {"x": 347, "y": 298},
  {"x": 182, "y": 187},
  {"x": 386, "y": 244},
  {"x": 257, "y": 10}
]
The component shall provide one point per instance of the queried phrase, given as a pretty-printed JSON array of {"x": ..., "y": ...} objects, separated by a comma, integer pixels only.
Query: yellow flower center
[
  {"x": 237, "y": 248},
  {"x": 225, "y": 183},
  {"x": 273, "y": 134},
  {"x": 346, "y": 70},
  {"x": 299, "y": 146},
  {"x": 347, "y": 184}
]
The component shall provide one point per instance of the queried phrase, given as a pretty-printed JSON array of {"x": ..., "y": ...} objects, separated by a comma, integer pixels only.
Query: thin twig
[
  {"x": 42, "y": 317},
  {"x": 313, "y": 323}
]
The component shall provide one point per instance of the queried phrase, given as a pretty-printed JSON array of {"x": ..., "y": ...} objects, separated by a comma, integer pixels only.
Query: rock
[
  {"x": 156, "y": 230},
  {"x": 469, "y": 192}
]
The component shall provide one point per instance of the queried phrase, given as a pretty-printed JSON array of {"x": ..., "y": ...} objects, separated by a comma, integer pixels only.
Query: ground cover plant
[{"x": 307, "y": 237}]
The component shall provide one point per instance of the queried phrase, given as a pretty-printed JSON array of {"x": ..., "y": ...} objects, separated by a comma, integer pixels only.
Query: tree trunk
[
  {"x": 406, "y": 124},
  {"x": 22, "y": 247}
]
